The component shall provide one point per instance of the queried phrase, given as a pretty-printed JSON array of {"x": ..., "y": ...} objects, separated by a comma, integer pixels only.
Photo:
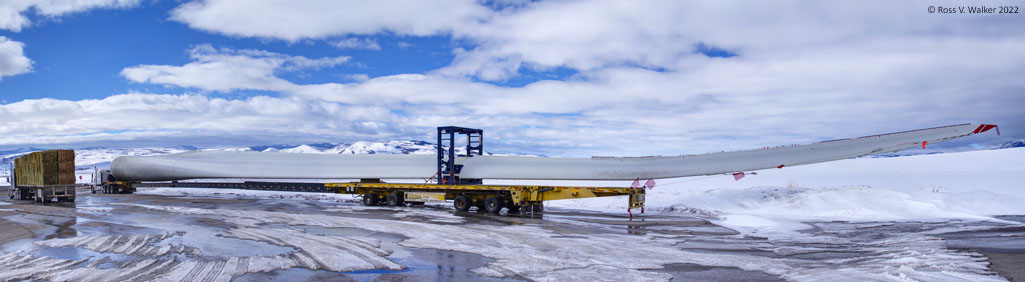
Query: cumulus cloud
[
  {"x": 717, "y": 104},
  {"x": 134, "y": 116},
  {"x": 508, "y": 36},
  {"x": 665, "y": 35},
  {"x": 12, "y": 58},
  {"x": 12, "y": 13},
  {"x": 804, "y": 72},
  {"x": 227, "y": 69},
  {"x": 320, "y": 19},
  {"x": 356, "y": 43}
]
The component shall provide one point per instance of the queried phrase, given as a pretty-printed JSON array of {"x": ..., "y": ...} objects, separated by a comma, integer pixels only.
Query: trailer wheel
[
  {"x": 493, "y": 205},
  {"x": 394, "y": 200},
  {"x": 462, "y": 203},
  {"x": 370, "y": 199}
]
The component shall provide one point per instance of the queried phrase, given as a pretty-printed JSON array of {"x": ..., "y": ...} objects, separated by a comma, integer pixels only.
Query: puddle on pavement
[
  {"x": 65, "y": 228},
  {"x": 88, "y": 227},
  {"x": 695, "y": 272},
  {"x": 1005, "y": 240},
  {"x": 423, "y": 265},
  {"x": 21, "y": 229},
  {"x": 102, "y": 260}
]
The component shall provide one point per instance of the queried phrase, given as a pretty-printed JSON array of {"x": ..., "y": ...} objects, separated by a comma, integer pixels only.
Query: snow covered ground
[{"x": 973, "y": 185}]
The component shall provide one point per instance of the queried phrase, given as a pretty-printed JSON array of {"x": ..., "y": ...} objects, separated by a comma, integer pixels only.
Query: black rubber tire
[
  {"x": 370, "y": 200},
  {"x": 394, "y": 200},
  {"x": 462, "y": 203},
  {"x": 493, "y": 205},
  {"x": 514, "y": 209}
]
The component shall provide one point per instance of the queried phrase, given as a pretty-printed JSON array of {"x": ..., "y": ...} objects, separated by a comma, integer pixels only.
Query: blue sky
[
  {"x": 551, "y": 77},
  {"x": 102, "y": 42}
]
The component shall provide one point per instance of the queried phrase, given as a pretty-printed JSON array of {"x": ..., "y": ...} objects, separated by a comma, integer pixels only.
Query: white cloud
[
  {"x": 806, "y": 71},
  {"x": 12, "y": 58},
  {"x": 228, "y": 69},
  {"x": 357, "y": 77},
  {"x": 715, "y": 104},
  {"x": 138, "y": 116},
  {"x": 585, "y": 35},
  {"x": 12, "y": 12},
  {"x": 294, "y": 20},
  {"x": 356, "y": 43},
  {"x": 594, "y": 34}
]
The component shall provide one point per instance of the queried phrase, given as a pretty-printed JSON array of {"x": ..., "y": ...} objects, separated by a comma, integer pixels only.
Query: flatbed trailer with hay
[{"x": 44, "y": 176}]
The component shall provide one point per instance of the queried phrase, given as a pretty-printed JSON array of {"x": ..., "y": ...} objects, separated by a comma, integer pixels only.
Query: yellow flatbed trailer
[{"x": 492, "y": 198}]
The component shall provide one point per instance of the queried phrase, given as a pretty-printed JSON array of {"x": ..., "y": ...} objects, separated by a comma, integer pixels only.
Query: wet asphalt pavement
[{"x": 227, "y": 238}]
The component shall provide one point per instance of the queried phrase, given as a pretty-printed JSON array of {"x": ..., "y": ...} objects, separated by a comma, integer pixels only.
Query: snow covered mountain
[
  {"x": 1013, "y": 144},
  {"x": 99, "y": 157}
]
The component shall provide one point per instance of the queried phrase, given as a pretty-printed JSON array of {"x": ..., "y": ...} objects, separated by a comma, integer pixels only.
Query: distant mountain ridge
[
  {"x": 1013, "y": 144},
  {"x": 100, "y": 157}
]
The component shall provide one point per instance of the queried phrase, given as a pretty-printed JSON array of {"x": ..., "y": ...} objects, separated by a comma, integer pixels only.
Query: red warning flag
[
  {"x": 986, "y": 127},
  {"x": 637, "y": 183},
  {"x": 738, "y": 175},
  {"x": 650, "y": 184}
]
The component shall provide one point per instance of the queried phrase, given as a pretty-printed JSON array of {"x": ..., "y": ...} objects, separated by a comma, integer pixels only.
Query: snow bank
[{"x": 969, "y": 185}]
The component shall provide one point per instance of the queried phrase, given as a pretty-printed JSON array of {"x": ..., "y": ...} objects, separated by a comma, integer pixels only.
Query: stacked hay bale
[
  {"x": 66, "y": 166},
  {"x": 53, "y": 167}
]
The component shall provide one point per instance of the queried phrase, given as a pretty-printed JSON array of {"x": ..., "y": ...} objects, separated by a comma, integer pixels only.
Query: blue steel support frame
[{"x": 448, "y": 169}]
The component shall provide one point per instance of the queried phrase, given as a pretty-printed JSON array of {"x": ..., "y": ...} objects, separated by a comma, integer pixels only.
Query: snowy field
[{"x": 973, "y": 185}]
